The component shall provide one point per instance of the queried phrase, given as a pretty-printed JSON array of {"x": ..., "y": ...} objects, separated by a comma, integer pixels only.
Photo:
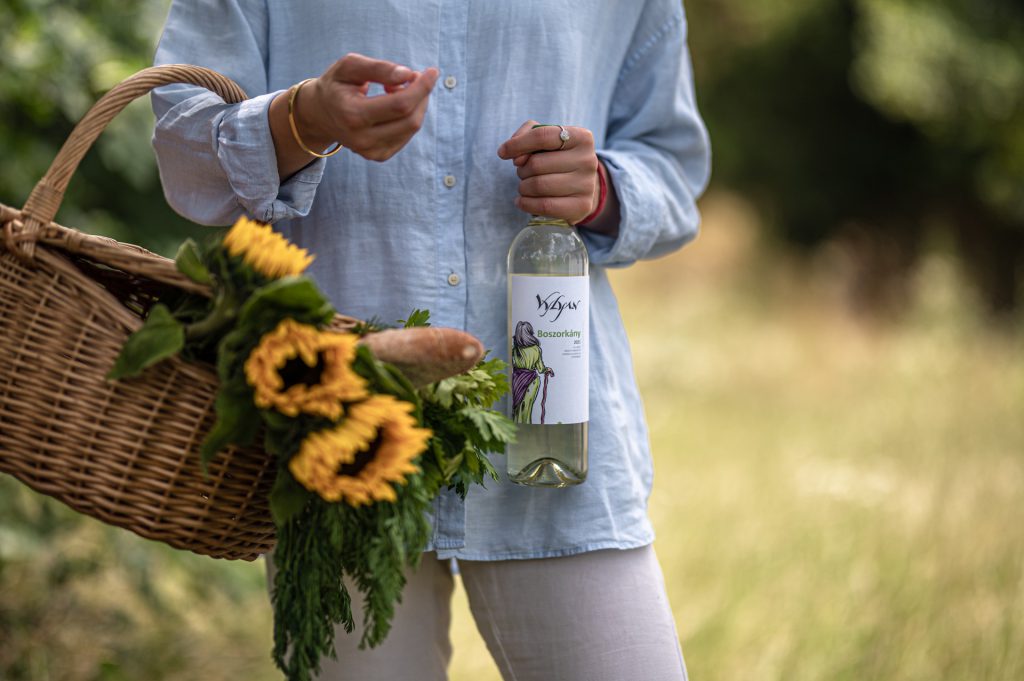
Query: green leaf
[
  {"x": 294, "y": 296},
  {"x": 450, "y": 465},
  {"x": 472, "y": 461},
  {"x": 384, "y": 377},
  {"x": 287, "y": 498},
  {"x": 238, "y": 422},
  {"x": 416, "y": 318},
  {"x": 275, "y": 420},
  {"x": 190, "y": 263},
  {"x": 160, "y": 337},
  {"x": 481, "y": 386},
  {"x": 489, "y": 468},
  {"x": 232, "y": 351},
  {"x": 491, "y": 424},
  {"x": 400, "y": 379},
  {"x": 443, "y": 392}
]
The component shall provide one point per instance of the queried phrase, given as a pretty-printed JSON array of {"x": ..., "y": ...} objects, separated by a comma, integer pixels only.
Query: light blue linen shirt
[{"x": 389, "y": 236}]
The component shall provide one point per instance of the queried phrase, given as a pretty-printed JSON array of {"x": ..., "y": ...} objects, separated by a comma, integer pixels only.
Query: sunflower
[
  {"x": 298, "y": 368},
  {"x": 357, "y": 461},
  {"x": 265, "y": 250}
]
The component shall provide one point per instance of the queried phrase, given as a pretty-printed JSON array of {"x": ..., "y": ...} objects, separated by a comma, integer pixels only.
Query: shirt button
[
  {"x": 449, "y": 181},
  {"x": 450, "y": 82},
  {"x": 453, "y": 279}
]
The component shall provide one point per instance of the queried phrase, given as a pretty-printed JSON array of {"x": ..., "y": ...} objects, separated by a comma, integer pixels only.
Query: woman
[
  {"x": 527, "y": 370},
  {"x": 434, "y": 104}
]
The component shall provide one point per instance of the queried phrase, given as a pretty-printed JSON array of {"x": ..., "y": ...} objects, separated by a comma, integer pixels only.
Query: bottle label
[{"x": 549, "y": 329}]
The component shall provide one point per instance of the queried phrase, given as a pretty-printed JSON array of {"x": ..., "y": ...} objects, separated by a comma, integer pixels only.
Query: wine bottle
[{"x": 548, "y": 329}]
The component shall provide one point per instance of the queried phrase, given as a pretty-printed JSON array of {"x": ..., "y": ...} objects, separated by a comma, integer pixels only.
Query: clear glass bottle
[{"x": 548, "y": 330}]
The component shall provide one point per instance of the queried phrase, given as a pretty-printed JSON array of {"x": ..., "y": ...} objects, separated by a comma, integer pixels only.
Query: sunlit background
[{"x": 833, "y": 373}]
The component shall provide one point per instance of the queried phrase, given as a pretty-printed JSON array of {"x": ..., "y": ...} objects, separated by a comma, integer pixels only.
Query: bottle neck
[{"x": 544, "y": 220}]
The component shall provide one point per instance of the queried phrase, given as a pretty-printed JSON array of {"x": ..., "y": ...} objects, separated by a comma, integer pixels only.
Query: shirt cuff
[
  {"x": 245, "y": 149},
  {"x": 637, "y": 216}
]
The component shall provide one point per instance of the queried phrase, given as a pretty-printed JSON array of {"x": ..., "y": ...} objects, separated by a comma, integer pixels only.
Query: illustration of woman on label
[{"x": 527, "y": 367}]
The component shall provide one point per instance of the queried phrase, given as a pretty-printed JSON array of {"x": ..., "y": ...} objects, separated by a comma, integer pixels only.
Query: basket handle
[{"x": 47, "y": 195}]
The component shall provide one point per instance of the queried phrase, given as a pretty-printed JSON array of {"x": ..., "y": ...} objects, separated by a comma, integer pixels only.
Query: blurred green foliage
[
  {"x": 56, "y": 59},
  {"x": 887, "y": 123},
  {"x": 955, "y": 71}
]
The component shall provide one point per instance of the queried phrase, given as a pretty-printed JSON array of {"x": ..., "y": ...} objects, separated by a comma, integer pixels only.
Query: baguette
[{"x": 426, "y": 354}]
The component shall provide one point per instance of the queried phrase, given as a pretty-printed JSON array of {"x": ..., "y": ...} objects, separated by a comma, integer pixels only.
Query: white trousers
[{"x": 596, "y": 616}]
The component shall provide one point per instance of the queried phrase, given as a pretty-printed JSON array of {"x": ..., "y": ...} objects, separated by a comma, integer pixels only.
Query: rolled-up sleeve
[
  {"x": 217, "y": 160},
  {"x": 656, "y": 150}
]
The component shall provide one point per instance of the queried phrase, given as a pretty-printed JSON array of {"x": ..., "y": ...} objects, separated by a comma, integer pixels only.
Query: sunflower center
[
  {"x": 362, "y": 458},
  {"x": 296, "y": 371}
]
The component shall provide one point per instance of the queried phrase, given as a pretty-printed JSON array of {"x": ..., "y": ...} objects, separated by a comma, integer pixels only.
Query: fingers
[
  {"x": 374, "y": 127},
  {"x": 559, "y": 184},
  {"x": 525, "y": 127},
  {"x": 562, "y": 183},
  {"x": 557, "y": 162},
  {"x": 402, "y": 102},
  {"x": 358, "y": 69},
  {"x": 403, "y": 87},
  {"x": 545, "y": 138},
  {"x": 384, "y": 140},
  {"x": 570, "y": 208}
]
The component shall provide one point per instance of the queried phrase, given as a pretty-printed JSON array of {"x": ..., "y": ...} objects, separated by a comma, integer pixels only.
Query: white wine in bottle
[{"x": 548, "y": 330}]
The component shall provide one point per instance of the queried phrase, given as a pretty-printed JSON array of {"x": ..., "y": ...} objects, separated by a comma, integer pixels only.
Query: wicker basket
[{"x": 125, "y": 451}]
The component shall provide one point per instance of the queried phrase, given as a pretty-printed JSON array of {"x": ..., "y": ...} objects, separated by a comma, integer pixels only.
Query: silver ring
[{"x": 564, "y": 136}]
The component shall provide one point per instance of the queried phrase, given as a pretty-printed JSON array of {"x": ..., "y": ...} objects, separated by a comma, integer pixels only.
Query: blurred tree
[
  {"x": 955, "y": 70},
  {"x": 56, "y": 59},
  {"x": 874, "y": 120}
]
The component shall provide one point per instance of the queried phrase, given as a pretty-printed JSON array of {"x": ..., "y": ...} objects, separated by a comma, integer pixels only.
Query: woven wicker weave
[{"x": 123, "y": 451}]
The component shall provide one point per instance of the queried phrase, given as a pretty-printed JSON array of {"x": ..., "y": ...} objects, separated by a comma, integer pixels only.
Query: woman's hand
[
  {"x": 376, "y": 128},
  {"x": 335, "y": 108},
  {"x": 560, "y": 183}
]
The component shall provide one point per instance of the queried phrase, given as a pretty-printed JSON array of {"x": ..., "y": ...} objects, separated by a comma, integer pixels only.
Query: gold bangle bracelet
[{"x": 295, "y": 131}]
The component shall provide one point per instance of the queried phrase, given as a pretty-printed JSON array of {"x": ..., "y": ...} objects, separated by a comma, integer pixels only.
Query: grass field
[{"x": 834, "y": 498}]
